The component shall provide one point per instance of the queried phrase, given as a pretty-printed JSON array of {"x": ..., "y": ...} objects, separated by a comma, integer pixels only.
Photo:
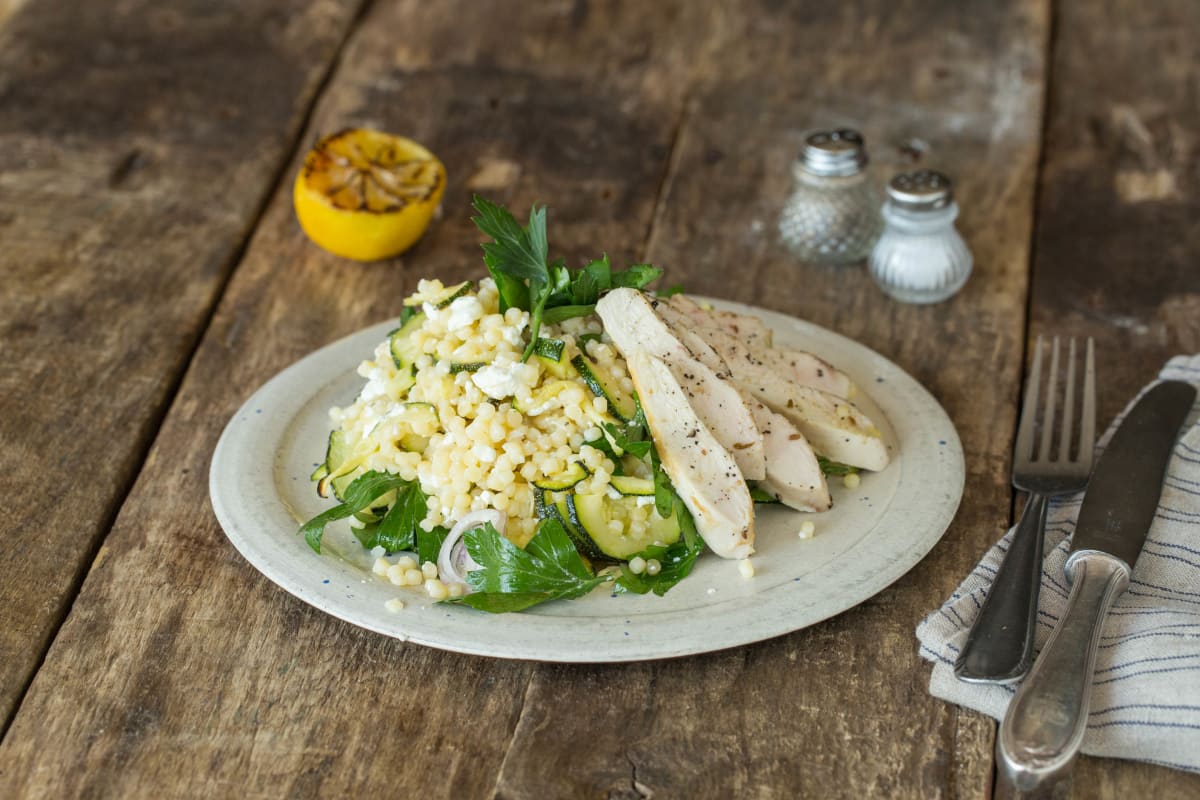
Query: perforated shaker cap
[
  {"x": 838, "y": 152},
  {"x": 924, "y": 190}
]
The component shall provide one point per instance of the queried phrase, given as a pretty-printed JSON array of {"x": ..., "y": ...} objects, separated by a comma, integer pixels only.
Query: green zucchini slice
[
  {"x": 632, "y": 487},
  {"x": 552, "y": 355},
  {"x": 565, "y": 480},
  {"x": 404, "y": 350},
  {"x": 466, "y": 366},
  {"x": 620, "y": 403},
  {"x": 594, "y": 513},
  {"x": 341, "y": 466},
  {"x": 440, "y": 299}
]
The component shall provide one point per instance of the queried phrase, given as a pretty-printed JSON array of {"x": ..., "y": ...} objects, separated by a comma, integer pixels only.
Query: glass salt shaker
[
  {"x": 920, "y": 258},
  {"x": 832, "y": 216}
]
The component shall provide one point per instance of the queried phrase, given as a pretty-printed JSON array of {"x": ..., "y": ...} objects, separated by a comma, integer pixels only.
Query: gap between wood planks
[
  {"x": 999, "y": 787},
  {"x": 161, "y": 411}
]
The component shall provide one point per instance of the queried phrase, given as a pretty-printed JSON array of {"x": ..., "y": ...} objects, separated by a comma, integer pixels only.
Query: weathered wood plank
[
  {"x": 1117, "y": 244},
  {"x": 136, "y": 146},
  {"x": 203, "y": 678},
  {"x": 840, "y": 709}
]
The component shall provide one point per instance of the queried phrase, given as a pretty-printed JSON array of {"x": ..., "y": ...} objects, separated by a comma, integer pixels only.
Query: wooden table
[{"x": 154, "y": 275}]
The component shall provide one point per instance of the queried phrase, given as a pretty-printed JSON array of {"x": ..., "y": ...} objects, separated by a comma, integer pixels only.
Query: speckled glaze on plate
[{"x": 873, "y": 535}]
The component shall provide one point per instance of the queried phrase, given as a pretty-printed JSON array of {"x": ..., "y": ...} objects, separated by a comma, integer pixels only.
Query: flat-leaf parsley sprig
[{"x": 517, "y": 258}]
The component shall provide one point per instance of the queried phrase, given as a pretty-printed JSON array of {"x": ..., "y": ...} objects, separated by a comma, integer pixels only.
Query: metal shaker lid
[
  {"x": 838, "y": 152},
  {"x": 924, "y": 190}
]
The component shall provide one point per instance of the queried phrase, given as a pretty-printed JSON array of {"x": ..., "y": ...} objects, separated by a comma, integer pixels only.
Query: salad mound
[{"x": 546, "y": 430}]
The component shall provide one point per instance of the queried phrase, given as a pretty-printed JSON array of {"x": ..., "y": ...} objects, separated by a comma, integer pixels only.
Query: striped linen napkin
[{"x": 1145, "y": 702}]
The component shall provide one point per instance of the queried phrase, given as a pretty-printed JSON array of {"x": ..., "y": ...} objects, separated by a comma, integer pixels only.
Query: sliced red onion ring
[{"x": 454, "y": 562}]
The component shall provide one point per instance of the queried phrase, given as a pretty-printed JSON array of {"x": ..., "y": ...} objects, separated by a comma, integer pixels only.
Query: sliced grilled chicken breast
[
  {"x": 793, "y": 473},
  {"x": 703, "y": 473},
  {"x": 835, "y": 427},
  {"x": 751, "y": 330},
  {"x": 630, "y": 320},
  {"x": 795, "y": 365}
]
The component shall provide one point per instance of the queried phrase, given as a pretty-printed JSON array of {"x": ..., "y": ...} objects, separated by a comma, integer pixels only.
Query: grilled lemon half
[{"x": 366, "y": 194}]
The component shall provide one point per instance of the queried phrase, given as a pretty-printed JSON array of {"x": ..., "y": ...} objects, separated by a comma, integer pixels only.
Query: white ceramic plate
[{"x": 873, "y": 535}]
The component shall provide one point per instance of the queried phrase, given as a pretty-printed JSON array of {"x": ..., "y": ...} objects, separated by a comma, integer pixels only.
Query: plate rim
[{"x": 897, "y": 560}]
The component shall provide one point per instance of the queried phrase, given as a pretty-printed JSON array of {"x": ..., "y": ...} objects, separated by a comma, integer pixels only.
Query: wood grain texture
[
  {"x": 840, "y": 709},
  {"x": 203, "y": 678},
  {"x": 1117, "y": 243},
  {"x": 137, "y": 144}
]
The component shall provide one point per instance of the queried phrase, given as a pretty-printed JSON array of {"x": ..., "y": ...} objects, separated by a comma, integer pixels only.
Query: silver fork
[{"x": 999, "y": 647}]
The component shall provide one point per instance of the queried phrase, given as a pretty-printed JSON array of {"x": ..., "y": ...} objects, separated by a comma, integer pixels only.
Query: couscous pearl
[
  {"x": 414, "y": 577},
  {"x": 429, "y": 569},
  {"x": 653, "y": 566},
  {"x": 746, "y": 568},
  {"x": 851, "y": 481},
  {"x": 381, "y": 566},
  {"x": 436, "y": 589},
  {"x": 807, "y": 529},
  {"x": 457, "y": 589},
  {"x": 406, "y": 562},
  {"x": 394, "y": 605},
  {"x": 637, "y": 565},
  {"x": 396, "y": 575}
]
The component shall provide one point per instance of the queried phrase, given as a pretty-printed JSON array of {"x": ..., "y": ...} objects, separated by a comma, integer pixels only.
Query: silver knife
[{"x": 1046, "y": 719}]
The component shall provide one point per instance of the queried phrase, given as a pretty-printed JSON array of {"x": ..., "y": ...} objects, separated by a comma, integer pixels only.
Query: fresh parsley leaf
[
  {"x": 516, "y": 256},
  {"x": 835, "y": 467},
  {"x": 549, "y": 568},
  {"x": 515, "y": 251},
  {"x": 637, "y": 276},
  {"x": 630, "y": 438},
  {"x": 429, "y": 543},
  {"x": 687, "y": 525},
  {"x": 677, "y": 560},
  {"x": 397, "y": 529},
  {"x": 761, "y": 495},
  {"x": 552, "y": 316},
  {"x": 503, "y": 603},
  {"x": 591, "y": 281},
  {"x": 406, "y": 313},
  {"x": 664, "y": 494},
  {"x": 359, "y": 495},
  {"x": 367, "y": 533},
  {"x": 669, "y": 291},
  {"x": 517, "y": 259}
]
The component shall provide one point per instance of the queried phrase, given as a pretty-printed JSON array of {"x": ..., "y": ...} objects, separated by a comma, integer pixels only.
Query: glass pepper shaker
[
  {"x": 832, "y": 216},
  {"x": 920, "y": 258}
]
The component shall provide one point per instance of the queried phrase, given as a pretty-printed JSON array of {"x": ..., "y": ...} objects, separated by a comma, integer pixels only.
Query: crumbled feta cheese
[
  {"x": 512, "y": 333},
  {"x": 464, "y": 311},
  {"x": 501, "y": 381}
]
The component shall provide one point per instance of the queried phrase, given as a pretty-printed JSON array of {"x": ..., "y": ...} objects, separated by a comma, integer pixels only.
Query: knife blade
[
  {"x": 1046, "y": 719},
  {"x": 1118, "y": 507}
]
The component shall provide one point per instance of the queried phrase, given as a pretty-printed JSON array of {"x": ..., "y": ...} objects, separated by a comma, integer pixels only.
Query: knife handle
[
  {"x": 999, "y": 646},
  {"x": 1046, "y": 719}
]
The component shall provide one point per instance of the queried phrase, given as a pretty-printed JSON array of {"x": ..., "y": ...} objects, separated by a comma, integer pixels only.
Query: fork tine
[
  {"x": 1064, "y": 441},
  {"x": 1087, "y": 422},
  {"x": 1024, "y": 447},
  {"x": 1051, "y": 396}
]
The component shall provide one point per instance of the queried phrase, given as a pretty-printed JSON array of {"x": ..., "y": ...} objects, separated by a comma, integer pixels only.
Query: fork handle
[{"x": 999, "y": 647}]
